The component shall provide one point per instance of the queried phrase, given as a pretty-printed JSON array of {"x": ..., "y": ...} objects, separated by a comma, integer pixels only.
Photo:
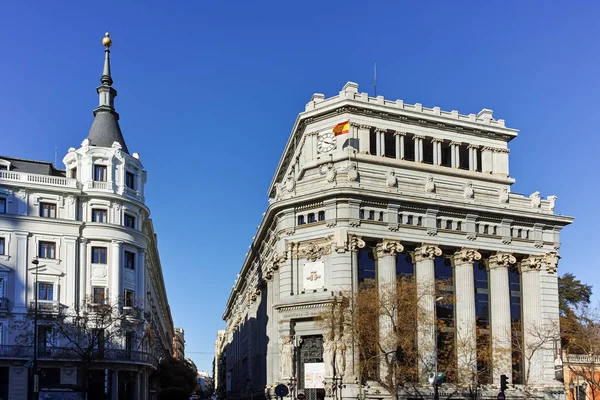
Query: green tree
[
  {"x": 573, "y": 295},
  {"x": 172, "y": 374}
]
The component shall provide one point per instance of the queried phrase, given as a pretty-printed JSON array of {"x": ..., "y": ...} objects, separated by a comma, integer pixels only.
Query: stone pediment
[{"x": 48, "y": 270}]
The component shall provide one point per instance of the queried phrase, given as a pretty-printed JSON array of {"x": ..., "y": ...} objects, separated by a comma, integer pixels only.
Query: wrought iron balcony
[{"x": 69, "y": 353}]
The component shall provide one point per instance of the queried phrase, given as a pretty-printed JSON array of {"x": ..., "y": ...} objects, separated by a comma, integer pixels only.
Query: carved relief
[
  {"x": 355, "y": 243},
  {"x": 388, "y": 248},
  {"x": 501, "y": 260},
  {"x": 503, "y": 197},
  {"x": 466, "y": 256},
  {"x": 551, "y": 261},
  {"x": 427, "y": 252},
  {"x": 391, "y": 180},
  {"x": 430, "y": 184},
  {"x": 468, "y": 191},
  {"x": 331, "y": 173},
  {"x": 286, "y": 354},
  {"x": 312, "y": 251},
  {"x": 535, "y": 199},
  {"x": 531, "y": 263},
  {"x": 551, "y": 202},
  {"x": 353, "y": 173},
  {"x": 290, "y": 183}
]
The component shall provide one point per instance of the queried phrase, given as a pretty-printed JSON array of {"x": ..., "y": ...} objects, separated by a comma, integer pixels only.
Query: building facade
[
  {"x": 79, "y": 242},
  {"x": 369, "y": 188},
  {"x": 179, "y": 344}
]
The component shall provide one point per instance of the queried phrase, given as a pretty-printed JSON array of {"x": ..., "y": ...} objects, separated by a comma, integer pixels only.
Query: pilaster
[
  {"x": 116, "y": 270},
  {"x": 534, "y": 331},
  {"x": 21, "y": 281},
  {"x": 82, "y": 269}
]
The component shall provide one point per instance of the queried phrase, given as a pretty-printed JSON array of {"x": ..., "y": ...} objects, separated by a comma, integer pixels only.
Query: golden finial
[{"x": 107, "y": 42}]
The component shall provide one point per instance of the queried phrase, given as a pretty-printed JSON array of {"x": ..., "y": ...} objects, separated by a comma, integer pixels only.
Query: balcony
[
  {"x": 3, "y": 304},
  {"x": 69, "y": 354},
  {"x": 38, "y": 179},
  {"x": 132, "y": 314},
  {"x": 45, "y": 306}
]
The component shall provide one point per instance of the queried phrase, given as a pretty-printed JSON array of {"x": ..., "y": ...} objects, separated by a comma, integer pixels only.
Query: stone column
[
  {"x": 534, "y": 334},
  {"x": 386, "y": 252},
  {"x": 400, "y": 144},
  {"x": 550, "y": 311},
  {"x": 377, "y": 143},
  {"x": 380, "y": 141},
  {"x": 426, "y": 328},
  {"x": 466, "y": 327},
  {"x": 487, "y": 160},
  {"x": 355, "y": 244},
  {"x": 114, "y": 389},
  {"x": 500, "y": 314},
  {"x": 82, "y": 269},
  {"x": 116, "y": 270},
  {"x": 473, "y": 157},
  {"x": 363, "y": 138}
]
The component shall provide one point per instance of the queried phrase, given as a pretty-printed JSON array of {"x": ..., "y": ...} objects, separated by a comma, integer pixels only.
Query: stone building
[
  {"x": 179, "y": 344},
  {"x": 74, "y": 240},
  {"x": 374, "y": 188}
]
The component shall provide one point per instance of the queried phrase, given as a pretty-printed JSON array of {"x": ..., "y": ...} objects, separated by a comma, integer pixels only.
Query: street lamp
[{"x": 35, "y": 391}]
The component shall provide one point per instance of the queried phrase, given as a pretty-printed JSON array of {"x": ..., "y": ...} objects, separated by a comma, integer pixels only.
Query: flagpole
[{"x": 375, "y": 78}]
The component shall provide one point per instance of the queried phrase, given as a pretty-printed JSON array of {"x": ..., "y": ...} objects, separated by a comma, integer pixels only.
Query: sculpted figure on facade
[
  {"x": 430, "y": 184},
  {"x": 340, "y": 355},
  {"x": 391, "y": 180},
  {"x": 290, "y": 183},
  {"x": 552, "y": 202},
  {"x": 331, "y": 173},
  {"x": 328, "y": 355},
  {"x": 468, "y": 191},
  {"x": 503, "y": 198},
  {"x": 535, "y": 199},
  {"x": 353, "y": 173},
  {"x": 286, "y": 353}
]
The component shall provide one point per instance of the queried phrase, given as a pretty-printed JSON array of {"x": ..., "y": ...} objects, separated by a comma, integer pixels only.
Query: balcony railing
[
  {"x": 101, "y": 185},
  {"x": 46, "y": 306},
  {"x": 582, "y": 359},
  {"x": 3, "y": 304},
  {"x": 68, "y": 353},
  {"x": 39, "y": 179}
]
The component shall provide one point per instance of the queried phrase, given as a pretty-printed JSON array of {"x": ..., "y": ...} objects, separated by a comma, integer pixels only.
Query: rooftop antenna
[
  {"x": 55, "y": 155},
  {"x": 375, "y": 78}
]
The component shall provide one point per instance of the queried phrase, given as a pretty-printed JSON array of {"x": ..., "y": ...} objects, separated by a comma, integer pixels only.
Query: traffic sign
[
  {"x": 501, "y": 396},
  {"x": 281, "y": 390}
]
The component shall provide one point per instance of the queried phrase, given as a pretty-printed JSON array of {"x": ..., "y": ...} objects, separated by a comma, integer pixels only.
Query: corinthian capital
[
  {"x": 465, "y": 256},
  {"x": 551, "y": 261},
  {"x": 355, "y": 243},
  {"x": 501, "y": 260},
  {"x": 427, "y": 252},
  {"x": 389, "y": 248},
  {"x": 531, "y": 263}
]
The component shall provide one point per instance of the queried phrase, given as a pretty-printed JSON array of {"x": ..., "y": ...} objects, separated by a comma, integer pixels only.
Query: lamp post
[{"x": 35, "y": 391}]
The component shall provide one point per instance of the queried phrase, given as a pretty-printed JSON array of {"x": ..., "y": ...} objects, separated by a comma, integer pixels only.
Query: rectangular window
[
  {"x": 2, "y": 205},
  {"x": 409, "y": 147},
  {"x": 47, "y": 250},
  {"x": 45, "y": 291},
  {"x": 99, "y": 295},
  {"x": 74, "y": 173},
  {"x": 311, "y": 218},
  {"x": 300, "y": 219},
  {"x": 99, "y": 215},
  {"x": 98, "y": 338},
  {"x": 100, "y": 173},
  {"x": 129, "y": 341},
  {"x": 129, "y": 221},
  {"x": 47, "y": 210},
  {"x": 44, "y": 339},
  {"x": 128, "y": 298},
  {"x": 130, "y": 180},
  {"x": 2, "y": 249},
  {"x": 321, "y": 215},
  {"x": 2, "y": 289},
  {"x": 129, "y": 260},
  {"x": 98, "y": 255}
]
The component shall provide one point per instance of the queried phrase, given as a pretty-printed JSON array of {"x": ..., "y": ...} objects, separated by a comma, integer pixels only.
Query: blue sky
[{"x": 209, "y": 91}]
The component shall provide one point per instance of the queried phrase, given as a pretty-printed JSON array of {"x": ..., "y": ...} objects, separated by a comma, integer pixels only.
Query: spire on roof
[{"x": 105, "y": 129}]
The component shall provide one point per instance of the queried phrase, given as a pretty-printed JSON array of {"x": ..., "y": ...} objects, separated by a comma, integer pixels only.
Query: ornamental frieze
[
  {"x": 312, "y": 251},
  {"x": 427, "y": 252}
]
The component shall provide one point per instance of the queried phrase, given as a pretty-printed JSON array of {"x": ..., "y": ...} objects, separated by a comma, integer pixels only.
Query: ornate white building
[
  {"x": 407, "y": 190},
  {"x": 90, "y": 232}
]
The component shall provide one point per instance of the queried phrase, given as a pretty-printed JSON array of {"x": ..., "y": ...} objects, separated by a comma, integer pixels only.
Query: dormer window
[
  {"x": 130, "y": 180},
  {"x": 100, "y": 173}
]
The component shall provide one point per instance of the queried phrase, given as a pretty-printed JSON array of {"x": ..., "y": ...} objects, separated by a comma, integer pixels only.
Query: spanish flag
[{"x": 341, "y": 128}]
